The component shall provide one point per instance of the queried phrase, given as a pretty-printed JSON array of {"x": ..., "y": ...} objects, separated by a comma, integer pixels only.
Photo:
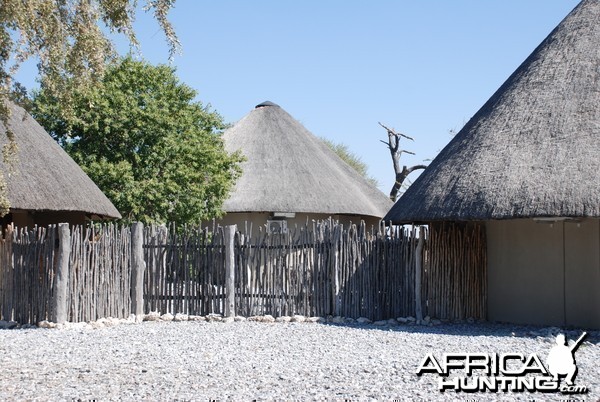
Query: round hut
[
  {"x": 527, "y": 168},
  {"x": 290, "y": 176},
  {"x": 45, "y": 186}
]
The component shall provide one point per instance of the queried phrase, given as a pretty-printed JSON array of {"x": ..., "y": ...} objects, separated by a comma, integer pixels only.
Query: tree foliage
[
  {"x": 153, "y": 150},
  {"x": 351, "y": 159},
  {"x": 67, "y": 37}
]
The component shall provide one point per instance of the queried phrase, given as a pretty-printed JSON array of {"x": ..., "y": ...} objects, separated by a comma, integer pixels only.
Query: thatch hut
[
  {"x": 45, "y": 185},
  {"x": 290, "y": 175},
  {"x": 527, "y": 167}
]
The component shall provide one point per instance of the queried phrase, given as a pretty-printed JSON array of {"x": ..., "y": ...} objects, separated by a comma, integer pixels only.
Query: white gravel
[{"x": 263, "y": 361}]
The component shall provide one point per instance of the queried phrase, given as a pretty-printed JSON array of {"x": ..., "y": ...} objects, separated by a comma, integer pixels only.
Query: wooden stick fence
[
  {"x": 100, "y": 273},
  {"x": 185, "y": 270},
  {"x": 26, "y": 273},
  {"x": 455, "y": 277},
  {"x": 317, "y": 269},
  {"x": 96, "y": 282},
  {"x": 327, "y": 270}
]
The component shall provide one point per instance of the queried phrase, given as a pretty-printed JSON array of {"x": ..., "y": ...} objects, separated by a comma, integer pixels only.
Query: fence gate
[{"x": 185, "y": 270}]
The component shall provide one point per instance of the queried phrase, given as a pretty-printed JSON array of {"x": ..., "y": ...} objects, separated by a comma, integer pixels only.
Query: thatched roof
[
  {"x": 288, "y": 169},
  {"x": 533, "y": 149},
  {"x": 45, "y": 177}
]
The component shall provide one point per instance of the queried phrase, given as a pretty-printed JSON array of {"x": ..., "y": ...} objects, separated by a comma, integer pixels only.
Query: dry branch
[{"x": 393, "y": 145}]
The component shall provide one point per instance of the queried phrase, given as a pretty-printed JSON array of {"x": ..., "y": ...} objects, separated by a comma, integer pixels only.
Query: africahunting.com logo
[{"x": 514, "y": 372}]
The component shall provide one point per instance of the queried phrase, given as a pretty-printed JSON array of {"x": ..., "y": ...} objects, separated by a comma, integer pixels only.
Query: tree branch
[
  {"x": 416, "y": 167},
  {"x": 400, "y": 177},
  {"x": 394, "y": 146},
  {"x": 393, "y": 132}
]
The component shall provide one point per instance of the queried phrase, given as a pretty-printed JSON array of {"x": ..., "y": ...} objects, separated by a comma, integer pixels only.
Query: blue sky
[{"x": 339, "y": 67}]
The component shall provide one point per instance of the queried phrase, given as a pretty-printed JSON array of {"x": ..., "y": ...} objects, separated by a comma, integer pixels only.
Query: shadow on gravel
[{"x": 478, "y": 329}]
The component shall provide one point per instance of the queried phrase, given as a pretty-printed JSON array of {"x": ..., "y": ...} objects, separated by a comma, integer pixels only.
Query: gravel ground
[{"x": 263, "y": 361}]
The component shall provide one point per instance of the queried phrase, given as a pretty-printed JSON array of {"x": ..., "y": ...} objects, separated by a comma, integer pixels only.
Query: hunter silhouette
[{"x": 561, "y": 360}]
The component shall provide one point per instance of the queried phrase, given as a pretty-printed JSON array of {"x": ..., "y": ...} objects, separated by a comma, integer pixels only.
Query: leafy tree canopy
[
  {"x": 351, "y": 159},
  {"x": 154, "y": 151},
  {"x": 69, "y": 42},
  {"x": 68, "y": 39}
]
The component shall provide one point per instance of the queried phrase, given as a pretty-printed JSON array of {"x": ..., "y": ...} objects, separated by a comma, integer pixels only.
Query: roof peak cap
[{"x": 266, "y": 103}]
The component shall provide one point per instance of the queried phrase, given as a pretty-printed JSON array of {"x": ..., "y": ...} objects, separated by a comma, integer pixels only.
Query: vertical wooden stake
[
  {"x": 61, "y": 278},
  {"x": 138, "y": 266},
  {"x": 230, "y": 270},
  {"x": 336, "y": 270},
  {"x": 418, "y": 269}
]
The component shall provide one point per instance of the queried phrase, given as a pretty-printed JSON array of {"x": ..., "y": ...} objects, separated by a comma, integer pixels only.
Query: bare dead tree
[{"x": 396, "y": 152}]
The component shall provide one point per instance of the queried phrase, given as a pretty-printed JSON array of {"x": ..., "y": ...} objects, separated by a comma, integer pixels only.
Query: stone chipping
[{"x": 303, "y": 358}]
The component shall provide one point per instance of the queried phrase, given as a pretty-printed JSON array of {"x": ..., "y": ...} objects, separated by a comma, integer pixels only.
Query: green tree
[
  {"x": 69, "y": 41},
  {"x": 351, "y": 159},
  {"x": 154, "y": 151}
]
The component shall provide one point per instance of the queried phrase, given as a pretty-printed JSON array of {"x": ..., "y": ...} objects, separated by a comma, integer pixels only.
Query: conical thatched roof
[
  {"x": 45, "y": 177},
  {"x": 533, "y": 150},
  {"x": 288, "y": 169}
]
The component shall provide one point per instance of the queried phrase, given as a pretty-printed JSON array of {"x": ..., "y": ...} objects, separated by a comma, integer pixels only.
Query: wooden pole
[
  {"x": 336, "y": 269},
  {"x": 61, "y": 279},
  {"x": 138, "y": 267},
  {"x": 230, "y": 270},
  {"x": 418, "y": 268}
]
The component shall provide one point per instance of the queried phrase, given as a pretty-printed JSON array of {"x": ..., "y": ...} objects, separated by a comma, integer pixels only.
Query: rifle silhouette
[{"x": 578, "y": 342}]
